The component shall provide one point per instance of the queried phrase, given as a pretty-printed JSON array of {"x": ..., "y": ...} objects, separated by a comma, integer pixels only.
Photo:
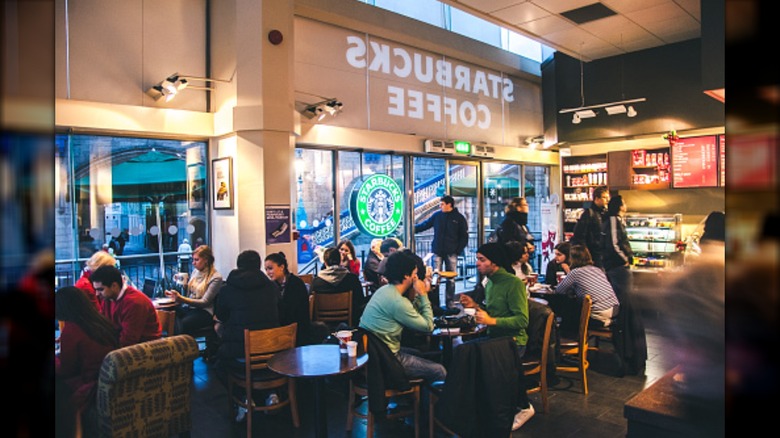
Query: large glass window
[
  {"x": 136, "y": 198},
  {"x": 502, "y": 183},
  {"x": 536, "y": 191},
  {"x": 314, "y": 210}
]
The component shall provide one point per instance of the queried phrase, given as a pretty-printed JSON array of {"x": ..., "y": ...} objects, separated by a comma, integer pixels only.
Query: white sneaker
[
  {"x": 272, "y": 399},
  {"x": 523, "y": 416},
  {"x": 241, "y": 414}
]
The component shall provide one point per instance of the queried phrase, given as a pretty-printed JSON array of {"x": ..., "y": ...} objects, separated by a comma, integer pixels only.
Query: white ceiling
[{"x": 638, "y": 25}]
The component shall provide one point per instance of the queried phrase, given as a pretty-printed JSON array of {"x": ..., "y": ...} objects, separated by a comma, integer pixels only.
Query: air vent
[{"x": 585, "y": 14}]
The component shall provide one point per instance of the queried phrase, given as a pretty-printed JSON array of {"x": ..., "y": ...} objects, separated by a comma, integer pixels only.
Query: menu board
[
  {"x": 695, "y": 162},
  {"x": 722, "y": 144}
]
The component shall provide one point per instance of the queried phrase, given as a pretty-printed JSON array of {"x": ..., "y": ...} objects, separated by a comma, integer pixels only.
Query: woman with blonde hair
[
  {"x": 98, "y": 259},
  {"x": 197, "y": 308}
]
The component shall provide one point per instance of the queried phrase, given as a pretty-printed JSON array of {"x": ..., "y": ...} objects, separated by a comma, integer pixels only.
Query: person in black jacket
[
  {"x": 248, "y": 300},
  {"x": 294, "y": 297},
  {"x": 450, "y": 237},
  {"x": 629, "y": 331},
  {"x": 588, "y": 230},
  {"x": 371, "y": 266},
  {"x": 336, "y": 278},
  {"x": 514, "y": 227}
]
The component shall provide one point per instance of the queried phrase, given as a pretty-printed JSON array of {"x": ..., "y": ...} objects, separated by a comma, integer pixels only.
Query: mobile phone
[{"x": 435, "y": 279}]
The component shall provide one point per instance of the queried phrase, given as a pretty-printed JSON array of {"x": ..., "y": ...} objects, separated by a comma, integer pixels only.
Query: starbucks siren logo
[{"x": 377, "y": 205}]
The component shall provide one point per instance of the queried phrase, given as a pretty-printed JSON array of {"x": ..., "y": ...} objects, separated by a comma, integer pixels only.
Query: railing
[
  {"x": 136, "y": 267},
  {"x": 467, "y": 263}
]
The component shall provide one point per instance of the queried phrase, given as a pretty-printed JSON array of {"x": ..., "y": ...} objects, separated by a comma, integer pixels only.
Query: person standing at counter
[
  {"x": 587, "y": 279},
  {"x": 630, "y": 342},
  {"x": 588, "y": 230}
]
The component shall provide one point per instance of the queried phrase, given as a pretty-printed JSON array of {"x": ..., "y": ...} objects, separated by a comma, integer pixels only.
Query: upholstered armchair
[{"x": 144, "y": 390}]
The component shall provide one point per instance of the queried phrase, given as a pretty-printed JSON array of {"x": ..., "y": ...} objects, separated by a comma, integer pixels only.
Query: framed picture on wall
[
  {"x": 222, "y": 177},
  {"x": 196, "y": 187}
]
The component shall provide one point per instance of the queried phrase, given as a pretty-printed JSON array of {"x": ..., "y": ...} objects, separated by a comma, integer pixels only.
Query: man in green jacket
[
  {"x": 506, "y": 311},
  {"x": 389, "y": 311}
]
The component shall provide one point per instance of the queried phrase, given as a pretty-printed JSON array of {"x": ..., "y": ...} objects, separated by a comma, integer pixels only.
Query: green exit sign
[{"x": 462, "y": 147}]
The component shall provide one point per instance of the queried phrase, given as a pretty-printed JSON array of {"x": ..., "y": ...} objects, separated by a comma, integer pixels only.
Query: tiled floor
[{"x": 572, "y": 414}]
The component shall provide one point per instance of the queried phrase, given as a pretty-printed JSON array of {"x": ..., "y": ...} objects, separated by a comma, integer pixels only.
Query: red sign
[
  {"x": 752, "y": 162},
  {"x": 695, "y": 162}
]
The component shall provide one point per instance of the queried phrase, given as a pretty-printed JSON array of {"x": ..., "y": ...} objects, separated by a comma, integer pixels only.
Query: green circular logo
[{"x": 377, "y": 205}]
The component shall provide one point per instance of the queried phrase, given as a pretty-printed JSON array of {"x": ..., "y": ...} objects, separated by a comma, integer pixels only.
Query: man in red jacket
[{"x": 127, "y": 307}]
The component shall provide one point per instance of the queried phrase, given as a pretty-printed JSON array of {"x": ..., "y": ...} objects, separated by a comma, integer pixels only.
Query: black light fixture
[
  {"x": 327, "y": 107},
  {"x": 169, "y": 87}
]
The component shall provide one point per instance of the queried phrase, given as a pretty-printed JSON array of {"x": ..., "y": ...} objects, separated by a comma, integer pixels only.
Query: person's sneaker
[
  {"x": 241, "y": 414},
  {"x": 523, "y": 416},
  {"x": 272, "y": 399}
]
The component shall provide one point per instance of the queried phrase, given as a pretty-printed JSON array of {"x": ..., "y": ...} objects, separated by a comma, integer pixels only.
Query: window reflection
[{"x": 136, "y": 198}]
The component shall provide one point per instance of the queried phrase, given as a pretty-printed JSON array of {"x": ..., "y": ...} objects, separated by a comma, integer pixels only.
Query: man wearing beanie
[{"x": 506, "y": 310}]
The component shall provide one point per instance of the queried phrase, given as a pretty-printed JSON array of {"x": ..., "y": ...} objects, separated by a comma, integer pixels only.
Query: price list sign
[{"x": 695, "y": 162}]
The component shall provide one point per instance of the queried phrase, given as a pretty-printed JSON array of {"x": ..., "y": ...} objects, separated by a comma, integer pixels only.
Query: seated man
[
  {"x": 336, "y": 278},
  {"x": 128, "y": 308},
  {"x": 389, "y": 312},
  {"x": 371, "y": 266},
  {"x": 388, "y": 246}
]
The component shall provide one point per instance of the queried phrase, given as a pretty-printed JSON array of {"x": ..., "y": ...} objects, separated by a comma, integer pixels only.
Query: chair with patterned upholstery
[{"x": 144, "y": 390}]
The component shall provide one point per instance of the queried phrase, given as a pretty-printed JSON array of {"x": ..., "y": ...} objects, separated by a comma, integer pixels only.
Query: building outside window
[{"x": 137, "y": 198}]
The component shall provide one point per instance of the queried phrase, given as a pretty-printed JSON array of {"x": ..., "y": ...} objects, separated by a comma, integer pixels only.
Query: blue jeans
[
  {"x": 450, "y": 264},
  {"x": 419, "y": 368}
]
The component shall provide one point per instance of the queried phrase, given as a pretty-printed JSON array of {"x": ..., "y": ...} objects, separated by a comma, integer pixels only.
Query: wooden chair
[
  {"x": 358, "y": 389},
  {"x": 332, "y": 308},
  {"x": 538, "y": 365},
  {"x": 307, "y": 279},
  {"x": 167, "y": 320},
  {"x": 578, "y": 348},
  {"x": 259, "y": 347}
]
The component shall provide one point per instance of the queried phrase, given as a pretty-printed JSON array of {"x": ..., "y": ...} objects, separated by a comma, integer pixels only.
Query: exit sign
[{"x": 462, "y": 147}]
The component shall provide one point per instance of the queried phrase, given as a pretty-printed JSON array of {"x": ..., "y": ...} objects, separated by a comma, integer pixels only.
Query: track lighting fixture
[
  {"x": 169, "y": 87},
  {"x": 328, "y": 107}
]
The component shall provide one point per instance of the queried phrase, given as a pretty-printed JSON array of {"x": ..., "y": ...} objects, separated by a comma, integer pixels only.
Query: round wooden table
[{"x": 316, "y": 362}]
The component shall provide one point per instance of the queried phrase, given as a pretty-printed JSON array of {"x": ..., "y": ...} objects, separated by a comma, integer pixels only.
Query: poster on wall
[
  {"x": 222, "y": 176},
  {"x": 695, "y": 162},
  {"x": 277, "y": 224},
  {"x": 549, "y": 212}
]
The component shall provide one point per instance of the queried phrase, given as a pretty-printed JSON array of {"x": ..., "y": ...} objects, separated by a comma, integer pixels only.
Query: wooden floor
[{"x": 572, "y": 414}]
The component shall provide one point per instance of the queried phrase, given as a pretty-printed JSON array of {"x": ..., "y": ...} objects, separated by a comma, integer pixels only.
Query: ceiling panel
[
  {"x": 521, "y": 13},
  {"x": 640, "y": 24}
]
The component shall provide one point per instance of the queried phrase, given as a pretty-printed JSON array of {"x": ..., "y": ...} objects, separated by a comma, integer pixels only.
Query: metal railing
[{"x": 137, "y": 268}]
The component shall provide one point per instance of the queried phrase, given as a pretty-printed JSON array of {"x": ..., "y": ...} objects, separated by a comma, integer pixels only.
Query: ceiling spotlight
[
  {"x": 631, "y": 111},
  {"x": 333, "y": 107},
  {"x": 328, "y": 107},
  {"x": 576, "y": 119},
  {"x": 170, "y": 86},
  {"x": 586, "y": 114}
]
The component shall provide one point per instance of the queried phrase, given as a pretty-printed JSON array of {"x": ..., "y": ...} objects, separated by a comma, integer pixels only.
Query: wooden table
[
  {"x": 317, "y": 362},
  {"x": 446, "y": 336}
]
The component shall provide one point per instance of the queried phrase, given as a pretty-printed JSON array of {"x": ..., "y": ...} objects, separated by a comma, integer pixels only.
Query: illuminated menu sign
[
  {"x": 695, "y": 162},
  {"x": 722, "y": 141}
]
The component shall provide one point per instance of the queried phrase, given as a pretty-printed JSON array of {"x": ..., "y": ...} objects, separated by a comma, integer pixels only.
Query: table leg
[{"x": 320, "y": 416}]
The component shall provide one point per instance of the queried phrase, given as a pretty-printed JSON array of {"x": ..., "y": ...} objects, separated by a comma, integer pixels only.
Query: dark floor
[{"x": 571, "y": 414}]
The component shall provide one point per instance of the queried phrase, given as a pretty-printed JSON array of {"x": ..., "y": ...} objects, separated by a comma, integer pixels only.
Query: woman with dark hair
[
  {"x": 84, "y": 342},
  {"x": 587, "y": 279},
  {"x": 559, "y": 263},
  {"x": 294, "y": 297},
  {"x": 348, "y": 257},
  {"x": 197, "y": 310}
]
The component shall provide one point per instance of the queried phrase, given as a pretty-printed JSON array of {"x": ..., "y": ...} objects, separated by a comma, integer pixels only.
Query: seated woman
[
  {"x": 348, "y": 257},
  {"x": 84, "y": 342},
  {"x": 517, "y": 252},
  {"x": 559, "y": 263},
  {"x": 294, "y": 300},
  {"x": 587, "y": 279},
  {"x": 202, "y": 290},
  {"x": 336, "y": 278}
]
